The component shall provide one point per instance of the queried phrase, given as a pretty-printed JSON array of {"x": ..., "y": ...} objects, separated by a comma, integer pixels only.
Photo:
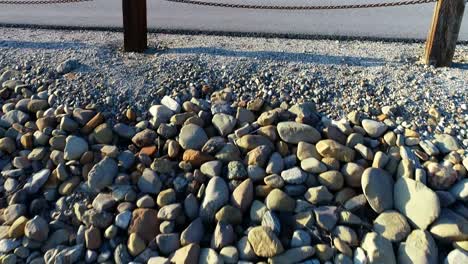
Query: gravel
[
  {"x": 219, "y": 177},
  {"x": 340, "y": 76}
]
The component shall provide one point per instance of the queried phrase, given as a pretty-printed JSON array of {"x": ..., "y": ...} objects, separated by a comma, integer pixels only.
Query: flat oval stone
[
  {"x": 293, "y": 132},
  {"x": 376, "y": 186},
  {"x": 417, "y": 202}
]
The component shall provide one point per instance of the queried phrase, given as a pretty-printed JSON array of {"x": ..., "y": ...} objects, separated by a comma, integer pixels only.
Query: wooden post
[
  {"x": 135, "y": 27},
  {"x": 443, "y": 35}
]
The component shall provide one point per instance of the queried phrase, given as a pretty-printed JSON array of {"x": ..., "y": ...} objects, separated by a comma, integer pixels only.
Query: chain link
[
  {"x": 40, "y": 2},
  {"x": 308, "y": 7}
]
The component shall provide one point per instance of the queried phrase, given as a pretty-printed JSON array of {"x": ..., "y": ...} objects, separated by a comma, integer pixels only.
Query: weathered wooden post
[
  {"x": 135, "y": 26},
  {"x": 443, "y": 35}
]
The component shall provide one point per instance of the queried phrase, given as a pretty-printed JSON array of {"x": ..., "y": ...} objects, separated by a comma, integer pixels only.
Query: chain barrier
[
  {"x": 308, "y": 7},
  {"x": 40, "y": 2}
]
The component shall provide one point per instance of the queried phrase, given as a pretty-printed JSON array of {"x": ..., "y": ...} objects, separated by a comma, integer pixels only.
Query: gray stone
[
  {"x": 419, "y": 247},
  {"x": 170, "y": 212},
  {"x": 236, "y": 170},
  {"x": 318, "y": 195},
  {"x": 193, "y": 233},
  {"x": 271, "y": 221},
  {"x": 192, "y": 137},
  {"x": 75, "y": 147},
  {"x": 450, "y": 226},
  {"x": 378, "y": 249},
  {"x": 216, "y": 195},
  {"x": 160, "y": 113},
  {"x": 392, "y": 225},
  {"x": 123, "y": 219},
  {"x": 456, "y": 256},
  {"x": 374, "y": 128},
  {"x": 292, "y": 132},
  {"x": 224, "y": 123},
  {"x": 326, "y": 217},
  {"x": 121, "y": 255},
  {"x": 8, "y": 245},
  {"x": 275, "y": 164},
  {"x": 149, "y": 182},
  {"x": 376, "y": 185},
  {"x": 446, "y": 143},
  {"x": 15, "y": 116},
  {"x": 417, "y": 202},
  {"x": 223, "y": 235},
  {"x": 67, "y": 66},
  {"x": 294, "y": 255},
  {"x": 36, "y": 181},
  {"x": 429, "y": 148},
  {"x": 167, "y": 243},
  {"x": 125, "y": 131},
  {"x": 460, "y": 190},
  {"x": 212, "y": 168},
  {"x": 300, "y": 238},
  {"x": 279, "y": 201},
  {"x": 313, "y": 165},
  {"x": 209, "y": 256},
  {"x": 170, "y": 103},
  {"x": 294, "y": 176},
  {"x": 103, "y": 201},
  {"x": 102, "y": 174}
]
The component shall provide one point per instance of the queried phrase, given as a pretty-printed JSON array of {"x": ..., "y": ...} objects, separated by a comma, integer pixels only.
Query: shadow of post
[
  {"x": 48, "y": 45},
  {"x": 278, "y": 56}
]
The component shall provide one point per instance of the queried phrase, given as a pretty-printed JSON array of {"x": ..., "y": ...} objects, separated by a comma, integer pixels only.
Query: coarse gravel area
[{"x": 340, "y": 76}]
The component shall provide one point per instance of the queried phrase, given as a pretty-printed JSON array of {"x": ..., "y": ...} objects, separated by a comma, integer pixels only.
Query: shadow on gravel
[
  {"x": 41, "y": 45},
  {"x": 279, "y": 56},
  {"x": 463, "y": 66}
]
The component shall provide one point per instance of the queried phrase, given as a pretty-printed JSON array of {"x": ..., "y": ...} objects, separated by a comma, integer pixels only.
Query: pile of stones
[{"x": 212, "y": 181}]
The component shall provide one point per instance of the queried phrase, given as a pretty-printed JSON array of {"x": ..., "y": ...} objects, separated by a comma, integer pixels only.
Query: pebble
[
  {"x": 224, "y": 123},
  {"x": 192, "y": 137},
  {"x": 292, "y": 132},
  {"x": 375, "y": 186},
  {"x": 417, "y": 202},
  {"x": 216, "y": 195},
  {"x": 374, "y": 128},
  {"x": 264, "y": 242},
  {"x": 294, "y": 176},
  {"x": 449, "y": 226},
  {"x": 102, "y": 174},
  {"x": 446, "y": 143},
  {"x": 419, "y": 247},
  {"x": 149, "y": 182},
  {"x": 331, "y": 149},
  {"x": 36, "y": 181},
  {"x": 378, "y": 249},
  {"x": 245, "y": 185},
  {"x": 279, "y": 201},
  {"x": 392, "y": 226}
]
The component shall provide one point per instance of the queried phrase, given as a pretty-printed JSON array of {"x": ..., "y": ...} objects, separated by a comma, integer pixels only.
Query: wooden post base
[
  {"x": 443, "y": 36},
  {"x": 135, "y": 25}
]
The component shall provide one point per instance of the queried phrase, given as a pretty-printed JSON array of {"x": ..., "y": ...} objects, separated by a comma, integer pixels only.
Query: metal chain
[
  {"x": 325, "y": 7},
  {"x": 40, "y": 2}
]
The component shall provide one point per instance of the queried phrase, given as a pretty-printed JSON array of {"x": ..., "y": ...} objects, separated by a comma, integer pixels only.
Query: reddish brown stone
[
  {"x": 150, "y": 150},
  {"x": 145, "y": 223},
  {"x": 93, "y": 123},
  {"x": 195, "y": 157}
]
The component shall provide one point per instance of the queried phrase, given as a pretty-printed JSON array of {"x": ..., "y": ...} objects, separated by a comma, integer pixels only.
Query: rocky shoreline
[{"x": 221, "y": 181}]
